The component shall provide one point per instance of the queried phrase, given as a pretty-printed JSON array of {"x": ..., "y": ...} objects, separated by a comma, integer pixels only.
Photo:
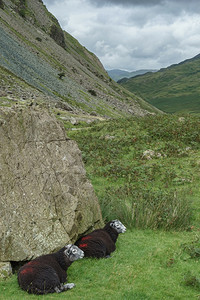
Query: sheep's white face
[
  {"x": 73, "y": 252},
  {"x": 118, "y": 226}
]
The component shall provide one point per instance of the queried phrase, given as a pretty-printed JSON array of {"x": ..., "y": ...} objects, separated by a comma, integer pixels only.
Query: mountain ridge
[
  {"x": 172, "y": 89},
  {"x": 117, "y": 74}
]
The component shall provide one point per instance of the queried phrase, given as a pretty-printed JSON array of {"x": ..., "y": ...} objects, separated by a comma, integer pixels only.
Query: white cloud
[{"x": 132, "y": 34}]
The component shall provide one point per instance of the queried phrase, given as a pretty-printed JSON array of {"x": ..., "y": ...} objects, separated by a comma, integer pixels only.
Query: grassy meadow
[{"x": 146, "y": 172}]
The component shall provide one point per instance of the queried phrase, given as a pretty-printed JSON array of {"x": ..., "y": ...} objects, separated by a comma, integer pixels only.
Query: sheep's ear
[
  {"x": 114, "y": 221},
  {"x": 67, "y": 247}
]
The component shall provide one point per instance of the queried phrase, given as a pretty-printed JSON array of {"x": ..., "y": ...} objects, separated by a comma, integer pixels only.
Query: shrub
[
  {"x": 61, "y": 75},
  {"x": 1, "y": 4},
  {"x": 38, "y": 39},
  {"x": 92, "y": 92},
  {"x": 57, "y": 34},
  {"x": 21, "y": 8},
  {"x": 22, "y": 12}
]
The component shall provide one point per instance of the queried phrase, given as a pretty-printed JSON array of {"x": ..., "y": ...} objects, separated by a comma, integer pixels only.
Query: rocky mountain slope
[
  {"x": 39, "y": 62},
  {"x": 172, "y": 89}
]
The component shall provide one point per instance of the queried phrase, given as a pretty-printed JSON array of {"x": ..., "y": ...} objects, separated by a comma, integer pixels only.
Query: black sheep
[
  {"x": 47, "y": 273},
  {"x": 101, "y": 242}
]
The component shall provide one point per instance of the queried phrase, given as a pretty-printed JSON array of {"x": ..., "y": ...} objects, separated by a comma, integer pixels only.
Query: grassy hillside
[
  {"x": 174, "y": 89},
  {"x": 145, "y": 172}
]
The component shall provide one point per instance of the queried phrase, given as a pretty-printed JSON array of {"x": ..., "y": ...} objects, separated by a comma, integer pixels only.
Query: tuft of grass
[
  {"x": 192, "y": 249},
  {"x": 191, "y": 280},
  {"x": 146, "y": 209}
]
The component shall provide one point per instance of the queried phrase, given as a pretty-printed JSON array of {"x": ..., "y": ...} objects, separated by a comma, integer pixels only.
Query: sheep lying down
[
  {"x": 47, "y": 273},
  {"x": 101, "y": 242}
]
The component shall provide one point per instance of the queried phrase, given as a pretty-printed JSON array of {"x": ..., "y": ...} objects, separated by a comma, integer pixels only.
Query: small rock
[
  {"x": 187, "y": 148},
  {"x": 64, "y": 118},
  {"x": 2, "y": 122},
  {"x": 5, "y": 270},
  {"x": 2, "y": 94},
  {"x": 181, "y": 119},
  {"x": 73, "y": 121},
  {"x": 93, "y": 113},
  {"x": 109, "y": 137},
  {"x": 89, "y": 121},
  {"x": 148, "y": 154}
]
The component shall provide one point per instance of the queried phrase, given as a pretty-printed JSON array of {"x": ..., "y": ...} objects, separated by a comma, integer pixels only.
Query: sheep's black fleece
[
  {"x": 100, "y": 242},
  {"x": 47, "y": 273}
]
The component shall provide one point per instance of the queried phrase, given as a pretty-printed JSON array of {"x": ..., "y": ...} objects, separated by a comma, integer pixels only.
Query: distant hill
[
  {"x": 173, "y": 89},
  {"x": 117, "y": 74},
  {"x": 41, "y": 62}
]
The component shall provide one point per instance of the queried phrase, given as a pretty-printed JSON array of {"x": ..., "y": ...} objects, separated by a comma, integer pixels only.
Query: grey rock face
[{"x": 46, "y": 201}]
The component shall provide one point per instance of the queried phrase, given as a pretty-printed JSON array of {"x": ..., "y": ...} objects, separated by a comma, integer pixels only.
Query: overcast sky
[{"x": 132, "y": 34}]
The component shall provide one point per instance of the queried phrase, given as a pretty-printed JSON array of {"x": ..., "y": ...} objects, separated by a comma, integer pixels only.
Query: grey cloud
[
  {"x": 171, "y": 5},
  {"x": 126, "y": 2},
  {"x": 141, "y": 2}
]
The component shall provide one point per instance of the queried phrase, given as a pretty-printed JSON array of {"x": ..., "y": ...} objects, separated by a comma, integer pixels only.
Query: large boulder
[{"x": 46, "y": 199}]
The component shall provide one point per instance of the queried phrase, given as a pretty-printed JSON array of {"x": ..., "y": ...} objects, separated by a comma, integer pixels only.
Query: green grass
[
  {"x": 145, "y": 193},
  {"x": 146, "y": 265}
]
